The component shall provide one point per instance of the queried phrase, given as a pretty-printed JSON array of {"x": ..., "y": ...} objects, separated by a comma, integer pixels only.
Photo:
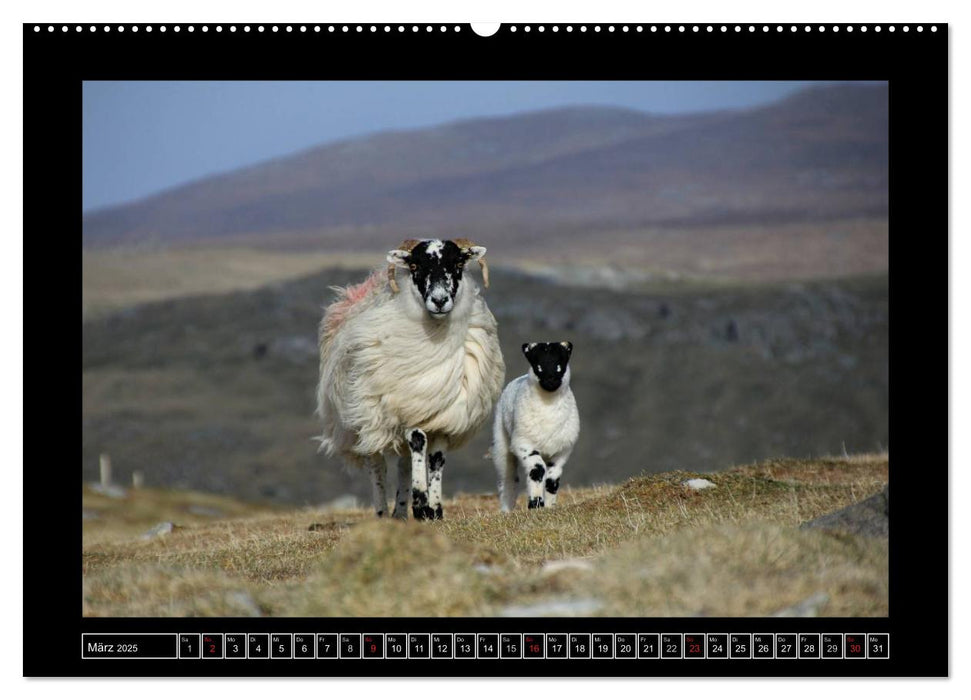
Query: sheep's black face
[
  {"x": 550, "y": 362},
  {"x": 436, "y": 268}
]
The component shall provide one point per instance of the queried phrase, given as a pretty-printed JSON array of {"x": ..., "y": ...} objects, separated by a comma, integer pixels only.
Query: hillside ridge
[{"x": 820, "y": 152}]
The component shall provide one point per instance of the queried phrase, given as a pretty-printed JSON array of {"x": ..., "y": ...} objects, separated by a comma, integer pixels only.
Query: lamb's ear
[
  {"x": 568, "y": 346},
  {"x": 398, "y": 258},
  {"x": 527, "y": 348},
  {"x": 475, "y": 252}
]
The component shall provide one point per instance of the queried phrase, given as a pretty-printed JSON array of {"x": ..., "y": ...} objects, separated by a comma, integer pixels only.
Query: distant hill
[{"x": 820, "y": 155}]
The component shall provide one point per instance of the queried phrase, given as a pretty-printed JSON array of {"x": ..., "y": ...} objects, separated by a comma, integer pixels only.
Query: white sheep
[
  {"x": 410, "y": 370},
  {"x": 536, "y": 426}
]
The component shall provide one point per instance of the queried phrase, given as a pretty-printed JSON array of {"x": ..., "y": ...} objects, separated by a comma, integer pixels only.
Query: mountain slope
[{"x": 819, "y": 155}]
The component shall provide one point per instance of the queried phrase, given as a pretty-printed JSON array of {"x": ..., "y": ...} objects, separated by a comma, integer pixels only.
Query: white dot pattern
[{"x": 568, "y": 28}]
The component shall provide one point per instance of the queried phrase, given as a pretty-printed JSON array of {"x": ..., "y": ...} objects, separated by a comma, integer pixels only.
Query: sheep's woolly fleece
[
  {"x": 348, "y": 298},
  {"x": 380, "y": 376}
]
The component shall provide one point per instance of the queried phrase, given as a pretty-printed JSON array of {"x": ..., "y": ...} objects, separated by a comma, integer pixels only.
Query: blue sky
[{"x": 142, "y": 137}]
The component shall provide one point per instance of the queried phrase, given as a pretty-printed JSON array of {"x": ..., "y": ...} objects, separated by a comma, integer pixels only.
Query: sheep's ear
[
  {"x": 398, "y": 258},
  {"x": 475, "y": 252},
  {"x": 568, "y": 346},
  {"x": 527, "y": 348}
]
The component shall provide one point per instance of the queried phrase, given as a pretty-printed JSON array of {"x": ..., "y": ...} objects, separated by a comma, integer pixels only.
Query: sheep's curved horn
[
  {"x": 465, "y": 244},
  {"x": 407, "y": 244}
]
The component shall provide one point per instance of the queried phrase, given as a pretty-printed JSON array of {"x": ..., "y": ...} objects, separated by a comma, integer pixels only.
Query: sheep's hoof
[
  {"x": 536, "y": 503},
  {"x": 400, "y": 514},
  {"x": 438, "y": 513},
  {"x": 423, "y": 513}
]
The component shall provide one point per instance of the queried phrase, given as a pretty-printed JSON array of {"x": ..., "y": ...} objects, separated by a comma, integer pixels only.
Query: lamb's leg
[
  {"x": 436, "y": 465},
  {"x": 535, "y": 469},
  {"x": 403, "y": 495},
  {"x": 553, "y": 471},
  {"x": 506, "y": 474},
  {"x": 418, "y": 444},
  {"x": 378, "y": 471}
]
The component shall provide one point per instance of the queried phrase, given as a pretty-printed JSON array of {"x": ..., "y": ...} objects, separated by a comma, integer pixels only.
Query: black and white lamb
[{"x": 536, "y": 426}]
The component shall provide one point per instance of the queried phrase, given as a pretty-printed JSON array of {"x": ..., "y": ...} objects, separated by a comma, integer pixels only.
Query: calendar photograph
[{"x": 482, "y": 348}]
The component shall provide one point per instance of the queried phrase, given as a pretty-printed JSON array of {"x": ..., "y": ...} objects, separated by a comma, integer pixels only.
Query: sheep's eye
[{"x": 413, "y": 267}]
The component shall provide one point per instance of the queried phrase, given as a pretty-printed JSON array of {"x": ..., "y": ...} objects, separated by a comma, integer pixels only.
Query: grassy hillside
[{"x": 646, "y": 547}]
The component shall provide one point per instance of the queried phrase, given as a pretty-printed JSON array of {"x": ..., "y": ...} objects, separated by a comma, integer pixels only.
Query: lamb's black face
[
  {"x": 549, "y": 361},
  {"x": 436, "y": 270}
]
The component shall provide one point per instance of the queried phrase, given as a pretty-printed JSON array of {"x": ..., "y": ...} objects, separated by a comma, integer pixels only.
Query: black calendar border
[{"x": 914, "y": 62}]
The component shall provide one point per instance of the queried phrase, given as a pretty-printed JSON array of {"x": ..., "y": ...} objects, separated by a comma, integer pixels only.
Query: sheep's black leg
[
  {"x": 436, "y": 465},
  {"x": 535, "y": 469},
  {"x": 377, "y": 472},
  {"x": 418, "y": 444},
  {"x": 403, "y": 494}
]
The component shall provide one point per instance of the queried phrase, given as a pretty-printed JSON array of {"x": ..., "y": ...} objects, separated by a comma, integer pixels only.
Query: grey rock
[
  {"x": 698, "y": 484},
  {"x": 558, "y": 565},
  {"x": 159, "y": 530},
  {"x": 569, "y": 607},
  {"x": 487, "y": 569},
  {"x": 243, "y": 601},
  {"x": 870, "y": 517},
  {"x": 110, "y": 490},
  {"x": 810, "y": 607}
]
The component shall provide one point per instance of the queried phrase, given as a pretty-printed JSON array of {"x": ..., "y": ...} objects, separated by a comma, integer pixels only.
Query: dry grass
[
  {"x": 114, "y": 520},
  {"x": 648, "y": 547}
]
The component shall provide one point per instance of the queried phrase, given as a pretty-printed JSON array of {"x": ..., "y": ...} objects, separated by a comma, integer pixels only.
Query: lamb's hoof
[
  {"x": 423, "y": 513},
  {"x": 536, "y": 503},
  {"x": 438, "y": 513},
  {"x": 400, "y": 515}
]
